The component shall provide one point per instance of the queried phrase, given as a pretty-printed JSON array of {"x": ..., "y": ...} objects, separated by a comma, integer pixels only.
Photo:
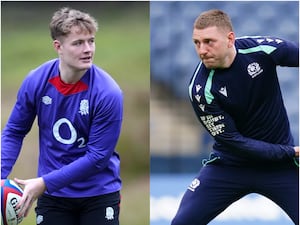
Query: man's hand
[
  {"x": 33, "y": 188},
  {"x": 296, "y": 148}
]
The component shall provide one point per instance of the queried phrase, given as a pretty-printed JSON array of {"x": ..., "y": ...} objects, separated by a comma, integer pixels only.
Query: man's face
[
  {"x": 212, "y": 46},
  {"x": 76, "y": 50}
]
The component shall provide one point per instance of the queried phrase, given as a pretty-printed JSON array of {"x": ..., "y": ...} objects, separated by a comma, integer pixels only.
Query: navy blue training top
[{"x": 242, "y": 106}]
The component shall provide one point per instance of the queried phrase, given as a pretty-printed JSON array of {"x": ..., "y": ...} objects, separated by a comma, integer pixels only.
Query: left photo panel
[{"x": 75, "y": 87}]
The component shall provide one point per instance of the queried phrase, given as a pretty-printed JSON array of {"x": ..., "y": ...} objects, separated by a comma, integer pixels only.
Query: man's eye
[{"x": 78, "y": 43}]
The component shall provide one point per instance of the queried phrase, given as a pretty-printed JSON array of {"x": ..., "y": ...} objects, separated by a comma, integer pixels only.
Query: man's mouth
[{"x": 88, "y": 58}]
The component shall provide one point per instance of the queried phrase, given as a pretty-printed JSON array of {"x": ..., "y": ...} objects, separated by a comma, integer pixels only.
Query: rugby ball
[{"x": 11, "y": 194}]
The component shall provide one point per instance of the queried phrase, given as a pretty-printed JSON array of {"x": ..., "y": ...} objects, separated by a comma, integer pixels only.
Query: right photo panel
[{"x": 224, "y": 113}]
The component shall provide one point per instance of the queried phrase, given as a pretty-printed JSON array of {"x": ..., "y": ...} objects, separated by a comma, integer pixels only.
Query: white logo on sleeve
[
  {"x": 198, "y": 97},
  {"x": 195, "y": 183},
  {"x": 109, "y": 213},
  {"x": 198, "y": 87}
]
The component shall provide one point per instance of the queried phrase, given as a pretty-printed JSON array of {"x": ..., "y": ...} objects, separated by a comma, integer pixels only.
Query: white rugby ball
[{"x": 11, "y": 194}]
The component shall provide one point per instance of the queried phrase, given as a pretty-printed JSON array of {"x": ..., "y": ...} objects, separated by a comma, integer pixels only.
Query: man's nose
[
  {"x": 202, "y": 50},
  {"x": 87, "y": 47}
]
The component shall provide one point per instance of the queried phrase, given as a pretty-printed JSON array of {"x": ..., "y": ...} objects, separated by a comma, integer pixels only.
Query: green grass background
[{"x": 122, "y": 49}]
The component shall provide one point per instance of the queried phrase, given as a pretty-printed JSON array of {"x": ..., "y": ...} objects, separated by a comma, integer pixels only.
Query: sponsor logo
[
  {"x": 73, "y": 133},
  {"x": 197, "y": 97},
  {"x": 39, "y": 219},
  {"x": 109, "y": 213},
  {"x": 214, "y": 124},
  {"x": 198, "y": 87},
  {"x": 195, "y": 183},
  {"x": 223, "y": 91},
  {"x": 269, "y": 40},
  {"x": 202, "y": 107},
  {"x": 14, "y": 203},
  {"x": 254, "y": 69},
  {"x": 47, "y": 100}
]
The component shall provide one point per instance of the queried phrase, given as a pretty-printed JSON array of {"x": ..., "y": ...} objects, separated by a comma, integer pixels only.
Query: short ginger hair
[{"x": 213, "y": 17}]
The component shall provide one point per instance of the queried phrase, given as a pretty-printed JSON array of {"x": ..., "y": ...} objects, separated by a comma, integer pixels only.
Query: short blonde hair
[
  {"x": 65, "y": 18},
  {"x": 213, "y": 17}
]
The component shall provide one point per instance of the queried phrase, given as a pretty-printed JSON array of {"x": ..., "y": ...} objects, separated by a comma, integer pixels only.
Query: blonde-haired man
[{"x": 79, "y": 109}]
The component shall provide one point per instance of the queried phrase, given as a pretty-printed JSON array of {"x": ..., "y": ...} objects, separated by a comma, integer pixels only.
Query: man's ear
[
  {"x": 57, "y": 45},
  {"x": 231, "y": 39}
]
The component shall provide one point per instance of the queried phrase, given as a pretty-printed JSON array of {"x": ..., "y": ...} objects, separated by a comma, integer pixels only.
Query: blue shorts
[
  {"x": 217, "y": 186},
  {"x": 99, "y": 210}
]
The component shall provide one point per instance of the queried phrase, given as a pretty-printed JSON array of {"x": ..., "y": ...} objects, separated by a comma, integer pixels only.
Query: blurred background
[
  {"x": 177, "y": 141},
  {"x": 122, "y": 49}
]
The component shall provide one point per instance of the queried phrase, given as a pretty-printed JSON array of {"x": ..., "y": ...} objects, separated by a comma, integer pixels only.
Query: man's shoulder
[
  {"x": 102, "y": 79},
  {"x": 99, "y": 72},
  {"x": 44, "y": 67},
  {"x": 248, "y": 41},
  {"x": 200, "y": 74},
  {"x": 202, "y": 69},
  {"x": 36, "y": 79},
  {"x": 254, "y": 41}
]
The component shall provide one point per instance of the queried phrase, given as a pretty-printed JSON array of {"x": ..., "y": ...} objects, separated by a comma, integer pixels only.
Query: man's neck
[
  {"x": 69, "y": 75},
  {"x": 230, "y": 58}
]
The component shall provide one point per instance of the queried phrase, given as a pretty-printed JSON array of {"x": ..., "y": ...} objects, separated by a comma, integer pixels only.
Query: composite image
[{"x": 150, "y": 112}]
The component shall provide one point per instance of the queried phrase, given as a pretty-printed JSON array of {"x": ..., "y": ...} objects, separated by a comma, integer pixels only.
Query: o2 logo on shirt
[{"x": 73, "y": 137}]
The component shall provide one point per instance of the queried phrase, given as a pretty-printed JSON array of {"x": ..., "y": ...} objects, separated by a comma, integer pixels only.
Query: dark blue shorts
[
  {"x": 99, "y": 210},
  {"x": 218, "y": 186}
]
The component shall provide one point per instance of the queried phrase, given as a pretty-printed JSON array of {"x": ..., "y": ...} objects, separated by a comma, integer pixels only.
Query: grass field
[{"x": 122, "y": 50}]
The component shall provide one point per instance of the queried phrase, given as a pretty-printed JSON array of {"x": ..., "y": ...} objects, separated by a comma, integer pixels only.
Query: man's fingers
[
  {"x": 24, "y": 196},
  {"x": 19, "y": 181},
  {"x": 24, "y": 206},
  {"x": 32, "y": 189},
  {"x": 30, "y": 202},
  {"x": 22, "y": 201},
  {"x": 21, "y": 205}
]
